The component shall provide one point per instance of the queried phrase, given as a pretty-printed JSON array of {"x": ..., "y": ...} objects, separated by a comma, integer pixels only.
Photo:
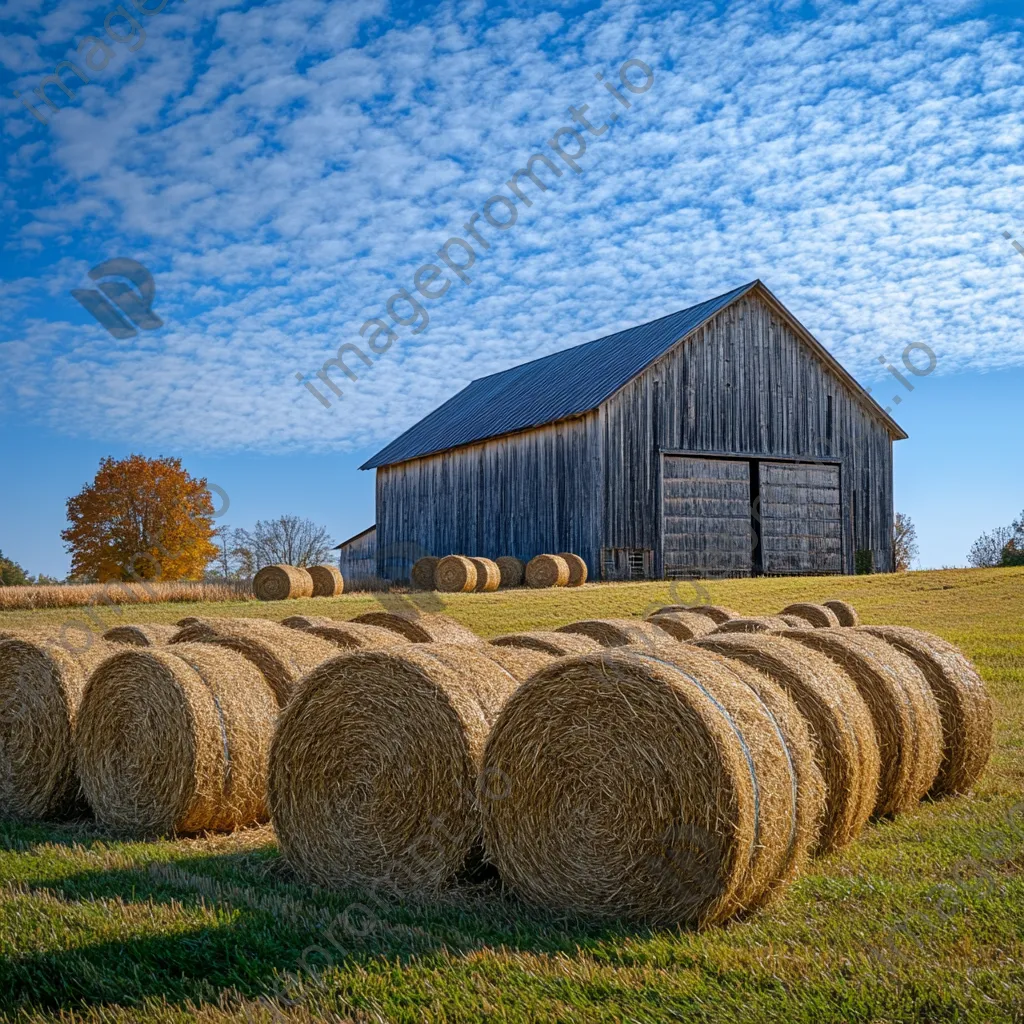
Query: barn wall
[
  {"x": 357, "y": 560},
  {"x": 745, "y": 383},
  {"x": 523, "y": 495}
]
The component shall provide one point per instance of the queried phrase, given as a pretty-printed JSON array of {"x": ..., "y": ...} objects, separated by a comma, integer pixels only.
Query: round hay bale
[
  {"x": 41, "y": 684},
  {"x": 150, "y": 634},
  {"x": 283, "y": 655},
  {"x": 455, "y": 574},
  {"x": 422, "y": 629},
  {"x": 351, "y": 635},
  {"x": 641, "y": 788},
  {"x": 176, "y": 740},
  {"x": 305, "y": 621},
  {"x": 842, "y": 732},
  {"x": 422, "y": 575},
  {"x": 200, "y": 629},
  {"x": 715, "y": 612},
  {"x": 794, "y": 621},
  {"x": 512, "y": 570},
  {"x": 620, "y": 632},
  {"x": 374, "y": 764},
  {"x": 682, "y": 626},
  {"x": 816, "y": 615},
  {"x": 188, "y": 620},
  {"x": 547, "y": 571},
  {"x": 550, "y": 642},
  {"x": 327, "y": 580},
  {"x": 488, "y": 575},
  {"x": 762, "y": 625},
  {"x": 904, "y": 712},
  {"x": 281, "y": 582},
  {"x": 844, "y": 612},
  {"x": 519, "y": 662},
  {"x": 577, "y": 568},
  {"x": 965, "y": 706}
]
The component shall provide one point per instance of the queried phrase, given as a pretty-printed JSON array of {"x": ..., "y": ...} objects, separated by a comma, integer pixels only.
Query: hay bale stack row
[
  {"x": 456, "y": 574},
  {"x": 288, "y": 582}
]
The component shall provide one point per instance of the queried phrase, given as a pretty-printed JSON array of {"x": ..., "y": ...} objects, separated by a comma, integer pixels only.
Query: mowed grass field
[{"x": 922, "y": 919}]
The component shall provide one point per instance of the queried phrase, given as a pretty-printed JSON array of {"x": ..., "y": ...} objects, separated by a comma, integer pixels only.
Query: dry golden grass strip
[
  {"x": 283, "y": 655},
  {"x": 903, "y": 710},
  {"x": 422, "y": 629},
  {"x": 327, "y": 580},
  {"x": 816, "y": 615},
  {"x": 305, "y": 621},
  {"x": 351, "y": 635},
  {"x": 764, "y": 624},
  {"x": 488, "y": 575},
  {"x": 547, "y": 571},
  {"x": 682, "y": 626},
  {"x": 176, "y": 740},
  {"x": 374, "y": 765},
  {"x": 635, "y": 791},
  {"x": 577, "y": 568},
  {"x": 620, "y": 632},
  {"x": 549, "y": 642},
  {"x": 841, "y": 728},
  {"x": 41, "y": 684},
  {"x": 282, "y": 582},
  {"x": 455, "y": 574},
  {"x": 965, "y": 705},
  {"x": 422, "y": 574},
  {"x": 512, "y": 570},
  {"x": 148, "y": 634},
  {"x": 844, "y": 612}
]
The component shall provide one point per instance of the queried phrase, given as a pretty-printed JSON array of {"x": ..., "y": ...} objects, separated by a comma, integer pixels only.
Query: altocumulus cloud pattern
[{"x": 282, "y": 169}]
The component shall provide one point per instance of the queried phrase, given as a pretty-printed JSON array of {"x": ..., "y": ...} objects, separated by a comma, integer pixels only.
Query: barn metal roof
[{"x": 563, "y": 384}]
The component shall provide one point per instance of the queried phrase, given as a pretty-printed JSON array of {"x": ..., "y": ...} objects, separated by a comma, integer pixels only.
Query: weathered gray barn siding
[
  {"x": 357, "y": 557},
  {"x": 744, "y": 384}
]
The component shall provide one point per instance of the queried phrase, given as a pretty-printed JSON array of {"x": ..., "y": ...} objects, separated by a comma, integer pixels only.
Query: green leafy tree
[{"x": 11, "y": 574}]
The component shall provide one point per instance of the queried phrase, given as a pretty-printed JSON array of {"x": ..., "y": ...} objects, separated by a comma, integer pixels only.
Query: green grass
[{"x": 921, "y": 919}]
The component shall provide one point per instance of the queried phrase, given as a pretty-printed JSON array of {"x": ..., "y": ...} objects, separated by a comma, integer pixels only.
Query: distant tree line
[
  {"x": 1002, "y": 546},
  {"x": 288, "y": 539}
]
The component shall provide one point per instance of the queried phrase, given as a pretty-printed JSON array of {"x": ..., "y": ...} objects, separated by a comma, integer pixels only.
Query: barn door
[
  {"x": 801, "y": 521},
  {"x": 706, "y": 517}
]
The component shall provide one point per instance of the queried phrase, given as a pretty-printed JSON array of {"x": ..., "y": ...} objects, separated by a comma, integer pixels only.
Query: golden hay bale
[
  {"x": 374, "y": 765},
  {"x": 577, "y": 568},
  {"x": 518, "y": 662},
  {"x": 188, "y": 620},
  {"x": 422, "y": 575},
  {"x": 762, "y": 625},
  {"x": 547, "y": 571},
  {"x": 357, "y": 634},
  {"x": 965, "y": 705},
  {"x": 455, "y": 574},
  {"x": 422, "y": 629},
  {"x": 150, "y": 634},
  {"x": 549, "y": 642},
  {"x": 283, "y": 655},
  {"x": 816, "y": 615},
  {"x": 792, "y": 620},
  {"x": 305, "y": 621},
  {"x": 488, "y": 575},
  {"x": 639, "y": 787},
  {"x": 844, "y": 612},
  {"x": 715, "y": 612},
  {"x": 41, "y": 684},
  {"x": 903, "y": 711},
  {"x": 327, "y": 580},
  {"x": 281, "y": 582},
  {"x": 176, "y": 740},
  {"x": 512, "y": 570},
  {"x": 842, "y": 732},
  {"x": 620, "y": 632},
  {"x": 682, "y": 626}
]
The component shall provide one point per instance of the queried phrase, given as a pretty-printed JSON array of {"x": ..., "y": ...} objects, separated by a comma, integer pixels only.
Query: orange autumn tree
[{"x": 140, "y": 519}]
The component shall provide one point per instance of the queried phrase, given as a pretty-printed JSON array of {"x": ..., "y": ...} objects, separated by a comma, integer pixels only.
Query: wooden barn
[{"x": 722, "y": 440}]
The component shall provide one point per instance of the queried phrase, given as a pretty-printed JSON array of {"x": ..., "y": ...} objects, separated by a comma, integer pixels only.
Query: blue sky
[{"x": 282, "y": 169}]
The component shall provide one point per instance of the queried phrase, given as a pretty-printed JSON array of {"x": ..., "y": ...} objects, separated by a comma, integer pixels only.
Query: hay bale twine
[
  {"x": 640, "y": 788},
  {"x": 682, "y": 626},
  {"x": 965, "y": 706},
  {"x": 327, "y": 580},
  {"x": 305, "y": 621},
  {"x": 844, "y": 612},
  {"x": 41, "y": 685},
  {"x": 422, "y": 575},
  {"x": 283, "y": 655},
  {"x": 577, "y": 568},
  {"x": 488, "y": 575},
  {"x": 547, "y": 571},
  {"x": 816, "y": 615},
  {"x": 281, "y": 582},
  {"x": 842, "y": 732},
  {"x": 455, "y": 574},
  {"x": 150, "y": 634},
  {"x": 753, "y": 625},
  {"x": 374, "y": 764},
  {"x": 620, "y": 632},
  {"x": 428, "y": 628},
  {"x": 512, "y": 570},
  {"x": 558, "y": 645},
  {"x": 352, "y": 635},
  {"x": 903, "y": 711},
  {"x": 176, "y": 740}
]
